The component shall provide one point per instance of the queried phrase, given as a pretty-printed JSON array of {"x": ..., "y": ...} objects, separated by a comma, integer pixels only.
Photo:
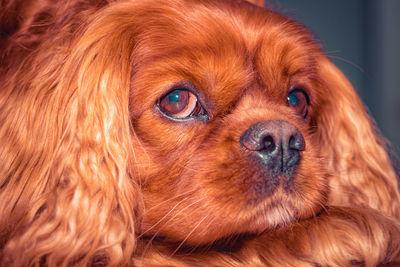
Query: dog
[{"x": 183, "y": 133}]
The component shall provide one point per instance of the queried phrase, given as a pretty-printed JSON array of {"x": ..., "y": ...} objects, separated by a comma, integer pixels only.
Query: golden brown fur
[{"x": 91, "y": 172}]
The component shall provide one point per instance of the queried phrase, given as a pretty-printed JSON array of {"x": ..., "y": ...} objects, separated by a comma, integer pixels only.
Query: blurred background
[{"x": 362, "y": 37}]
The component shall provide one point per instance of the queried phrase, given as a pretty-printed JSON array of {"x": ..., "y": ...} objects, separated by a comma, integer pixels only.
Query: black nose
[{"x": 276, "y": 143}]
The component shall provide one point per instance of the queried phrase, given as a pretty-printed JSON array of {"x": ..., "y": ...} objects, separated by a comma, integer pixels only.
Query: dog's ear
[
  {"x": 66, "y": 188},
  {"x": 361, "y": 167},
  {"x": 260, "y": 3}
]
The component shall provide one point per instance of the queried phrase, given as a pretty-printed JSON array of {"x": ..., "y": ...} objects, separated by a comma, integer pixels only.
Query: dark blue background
[{"x": 362, "y": 37}]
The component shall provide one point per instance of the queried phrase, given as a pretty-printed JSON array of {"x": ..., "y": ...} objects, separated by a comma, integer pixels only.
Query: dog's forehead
[
  {"x": 226, "y": 47},
  {"x": 213, "y": 25},
  {"x": 194, "y": 23}
]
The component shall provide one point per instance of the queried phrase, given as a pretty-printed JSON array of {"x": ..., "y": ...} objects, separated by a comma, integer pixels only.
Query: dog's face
[{"x": 223, "y": 106}]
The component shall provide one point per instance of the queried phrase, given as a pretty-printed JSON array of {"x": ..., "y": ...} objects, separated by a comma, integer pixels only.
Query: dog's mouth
[
  {"x": 209, "y": 220},
  {"x": 265, "y": 218}
]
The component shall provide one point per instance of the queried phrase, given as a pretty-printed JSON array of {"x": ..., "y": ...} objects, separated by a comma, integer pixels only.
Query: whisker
[
  {"x": 169, "y": 199},
  {"x": 209, "y": 245},
  {"x": 155, "y": 234},
  {"x": 191, "y": 232},
  {"x": 159, "y": 221},
  {"x": 359, "y": 68}
]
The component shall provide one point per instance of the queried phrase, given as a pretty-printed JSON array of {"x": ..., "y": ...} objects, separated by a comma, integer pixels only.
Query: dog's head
[
  {"x": 224, "y": 105},
  {"x": 191, "y": 120}
]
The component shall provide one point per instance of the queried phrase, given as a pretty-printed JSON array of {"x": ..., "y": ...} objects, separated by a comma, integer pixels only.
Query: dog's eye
[
  {"x": 298, "y": 99},
  {"x": 179, "y": 104}
]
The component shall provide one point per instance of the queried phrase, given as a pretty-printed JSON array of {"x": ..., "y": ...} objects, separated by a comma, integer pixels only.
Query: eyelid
[
  {"x": 182, "y": 84},
  {"x": 201, "y": 100},
  {"x": 297, "y": 88},
  {"x": 301, "y": 87}
]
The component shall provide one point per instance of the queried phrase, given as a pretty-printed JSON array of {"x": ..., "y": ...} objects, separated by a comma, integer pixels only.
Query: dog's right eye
[{"x": 179, "y": 103}]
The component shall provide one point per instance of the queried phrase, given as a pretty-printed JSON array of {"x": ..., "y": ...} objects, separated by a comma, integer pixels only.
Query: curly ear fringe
[
  {"x": 364, "y": 175},
  {"x": 67, "y": 152}
]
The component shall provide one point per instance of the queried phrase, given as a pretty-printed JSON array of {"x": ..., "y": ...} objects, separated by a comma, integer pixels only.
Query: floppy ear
[
  {"x": 66, "y": 156},
  {"x": 362, "y": 172}
]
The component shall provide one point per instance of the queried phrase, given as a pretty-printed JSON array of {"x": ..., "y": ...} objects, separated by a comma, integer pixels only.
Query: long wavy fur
[
  {"x": 68, "y": 179},
  {"x": 66, "y": 147}
]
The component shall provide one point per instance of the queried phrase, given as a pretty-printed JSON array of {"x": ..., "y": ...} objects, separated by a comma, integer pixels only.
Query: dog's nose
[{"x": 276, "y": 143}]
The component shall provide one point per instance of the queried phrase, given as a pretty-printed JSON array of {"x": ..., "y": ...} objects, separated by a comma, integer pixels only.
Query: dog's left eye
[
  {"x": 298, "y": 99},
  {"x": 179, "y": 103}
]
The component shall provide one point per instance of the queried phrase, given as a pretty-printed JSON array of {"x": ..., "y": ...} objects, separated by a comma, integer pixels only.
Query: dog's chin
[{"x": 202, "y": 226}]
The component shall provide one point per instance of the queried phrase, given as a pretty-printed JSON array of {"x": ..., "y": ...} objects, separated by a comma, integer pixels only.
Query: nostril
[
  {"x": 269, "y": 144},
  {"x": 296, "y": 142}
]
